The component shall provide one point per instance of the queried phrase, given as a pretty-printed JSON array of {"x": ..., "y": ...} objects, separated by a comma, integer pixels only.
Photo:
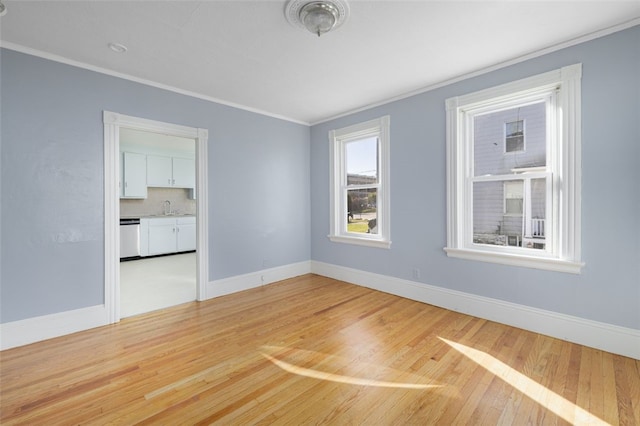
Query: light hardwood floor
[{"x": 312, "y": 350}]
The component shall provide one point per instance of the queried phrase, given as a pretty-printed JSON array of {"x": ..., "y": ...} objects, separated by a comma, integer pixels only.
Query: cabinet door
[
  {"x": 184, "y": 173},
  {"x": 162, "y": 238},
  {"x": 134, "y": 179},
  {"x": 121, "y": 177},
  {"x": 159, "y": 171},
  {"x": 187, "y": 237}
]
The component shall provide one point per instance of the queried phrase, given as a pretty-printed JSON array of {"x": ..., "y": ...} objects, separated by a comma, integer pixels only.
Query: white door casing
[{"x": 112, "y": 123}]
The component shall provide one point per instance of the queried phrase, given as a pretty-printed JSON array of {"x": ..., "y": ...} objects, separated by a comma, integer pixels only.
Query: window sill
[
  {"x": 360, "y": 241},
  {"x": 547, "y": 264}
]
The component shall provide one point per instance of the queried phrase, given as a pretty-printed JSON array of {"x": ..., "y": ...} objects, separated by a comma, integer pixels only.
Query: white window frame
[
  {"x": 563, "y": 245},
  {"x": 338, "y": 139}
]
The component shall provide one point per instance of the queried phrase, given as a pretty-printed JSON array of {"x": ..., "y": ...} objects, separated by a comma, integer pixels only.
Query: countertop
[{"x": 155, "y": 216}]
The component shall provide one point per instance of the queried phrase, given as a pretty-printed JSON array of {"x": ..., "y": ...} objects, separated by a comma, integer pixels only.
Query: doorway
[
  {"x": 114, "y": 126},
  {"x": 157, "y": 192}
]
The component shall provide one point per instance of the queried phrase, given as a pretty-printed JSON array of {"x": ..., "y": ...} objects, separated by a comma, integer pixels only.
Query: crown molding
[
  {"x": 572, "y": 42},
  {"x": 77, "y": 64},
  {"x": 541, "y": 52}
]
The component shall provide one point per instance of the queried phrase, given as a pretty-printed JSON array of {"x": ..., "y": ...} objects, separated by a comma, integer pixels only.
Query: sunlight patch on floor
[
  {"x": 337, "y": 363},
  {"x": 529, "y": 387}
]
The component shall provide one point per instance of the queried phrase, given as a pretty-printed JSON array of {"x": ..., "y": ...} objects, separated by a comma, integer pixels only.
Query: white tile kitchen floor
[{"x": 155, "y": 283}]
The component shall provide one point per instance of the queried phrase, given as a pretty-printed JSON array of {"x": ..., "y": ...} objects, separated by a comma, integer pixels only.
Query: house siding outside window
[{"x": 513, "y": 173}]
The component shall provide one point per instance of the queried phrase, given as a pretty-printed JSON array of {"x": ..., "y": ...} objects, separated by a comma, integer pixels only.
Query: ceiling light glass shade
[{"x": 319, "y": 17}]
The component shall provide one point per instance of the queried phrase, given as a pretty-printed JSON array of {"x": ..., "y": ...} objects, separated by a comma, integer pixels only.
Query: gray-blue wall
[
  {"x": 269, "y": 187},
  {"x": 52, "y": 212},
  {"x": 608, "y": 290}
]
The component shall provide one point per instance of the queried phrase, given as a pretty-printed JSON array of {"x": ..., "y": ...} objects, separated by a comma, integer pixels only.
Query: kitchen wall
[
  {"x": 154, "y": 203},
  {"x": 52, "y": 212},
  {"x": 608, "y": 289}
]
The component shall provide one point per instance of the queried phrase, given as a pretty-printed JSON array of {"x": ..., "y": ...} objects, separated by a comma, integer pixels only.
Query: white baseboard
[
  {"x": 31, "y": 330},
  {"x": 255, "y": 279},
  {"x": 607, "y": 337}
]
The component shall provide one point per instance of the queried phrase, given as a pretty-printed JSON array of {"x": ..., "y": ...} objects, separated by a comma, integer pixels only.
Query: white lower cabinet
[
  {"x": 162, "y": 236},
  {"x": 186, "y": 236},
  {"x": 167, "y": 235}
]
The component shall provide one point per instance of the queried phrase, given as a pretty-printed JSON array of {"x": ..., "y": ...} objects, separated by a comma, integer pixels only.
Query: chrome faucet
[{"x": 167, "y": 207}]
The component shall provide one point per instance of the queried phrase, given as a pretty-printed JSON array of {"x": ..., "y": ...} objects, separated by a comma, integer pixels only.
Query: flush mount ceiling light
[
  {"x": 117, "y": 47},
  {"x": 3, "y": 9},
  {"x": 318, "y": 17}
]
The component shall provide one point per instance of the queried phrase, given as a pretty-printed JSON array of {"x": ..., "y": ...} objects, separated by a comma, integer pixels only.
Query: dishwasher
[{"x": 129, "y": 238}]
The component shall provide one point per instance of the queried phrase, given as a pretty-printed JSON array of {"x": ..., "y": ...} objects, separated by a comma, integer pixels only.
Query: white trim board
[
  {"x": 256, "y": 279},
  {"x": 607, "y": 337},
  {"x": 31, "y": 330},
  {"x": 611, "y": 338},
  {"x": 113, "y": 122},
  {"x": 66, "y": 61},
  {"x": 550, "y": 49},
  {"x": 563, "y": 45}
]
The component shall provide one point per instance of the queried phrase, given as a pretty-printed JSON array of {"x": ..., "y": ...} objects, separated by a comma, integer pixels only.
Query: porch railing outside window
[{"x": 537, "y": 228}]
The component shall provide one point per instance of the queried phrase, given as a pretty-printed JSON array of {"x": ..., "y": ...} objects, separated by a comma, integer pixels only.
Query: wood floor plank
[
  {"x": 313, "y": 350},
  {"x": 632, "y": 367},
  {"x": 609, "y": 388}
]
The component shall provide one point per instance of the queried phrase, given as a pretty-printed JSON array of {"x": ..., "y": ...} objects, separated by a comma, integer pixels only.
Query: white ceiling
[{"x": 245, "y": 53}]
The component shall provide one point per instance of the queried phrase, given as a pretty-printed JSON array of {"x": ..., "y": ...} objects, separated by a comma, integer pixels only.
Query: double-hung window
[
  {"x": 514, "y": 198},
  {"x": 360, "y": 184}
]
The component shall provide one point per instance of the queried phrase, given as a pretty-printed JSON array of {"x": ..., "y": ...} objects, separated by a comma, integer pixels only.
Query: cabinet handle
[
  {"x": 173, "y": 181},
  {"x": 169, "y": 181},
  {"x": 126, "y": 184}
]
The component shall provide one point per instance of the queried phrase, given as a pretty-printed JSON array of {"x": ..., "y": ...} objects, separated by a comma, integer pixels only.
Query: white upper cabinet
[
  {"x": 159, "y": 171},
  {"x": 171, "y": 172},
  {"x": 184, "y": 173},
  {"x": 133, "y": 182}
]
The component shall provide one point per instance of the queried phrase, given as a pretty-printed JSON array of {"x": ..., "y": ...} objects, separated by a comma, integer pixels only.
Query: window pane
[
  {"x": 490, "y": 225},
  {"x": 513, "y": 197},
  {"x": 506, "y": 140},
  {"x": 513, "y": 205},
  {"x": 520, "y": 223},
  {"x": 514, "y": 128},
  {"x": 362, "y": 161},
  {"x": 539, "y": 223},
  {"x": 362, "y": 215},
  {"x": 514, "y": 133}
]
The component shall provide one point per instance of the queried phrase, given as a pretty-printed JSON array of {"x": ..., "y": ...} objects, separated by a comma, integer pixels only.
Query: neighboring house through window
[
  {"x": 514, "y": 136},
  {"x": 513, "y": 198},
  {"x": 513, "y": 173},
  {"x": 360, "y": 184}
]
